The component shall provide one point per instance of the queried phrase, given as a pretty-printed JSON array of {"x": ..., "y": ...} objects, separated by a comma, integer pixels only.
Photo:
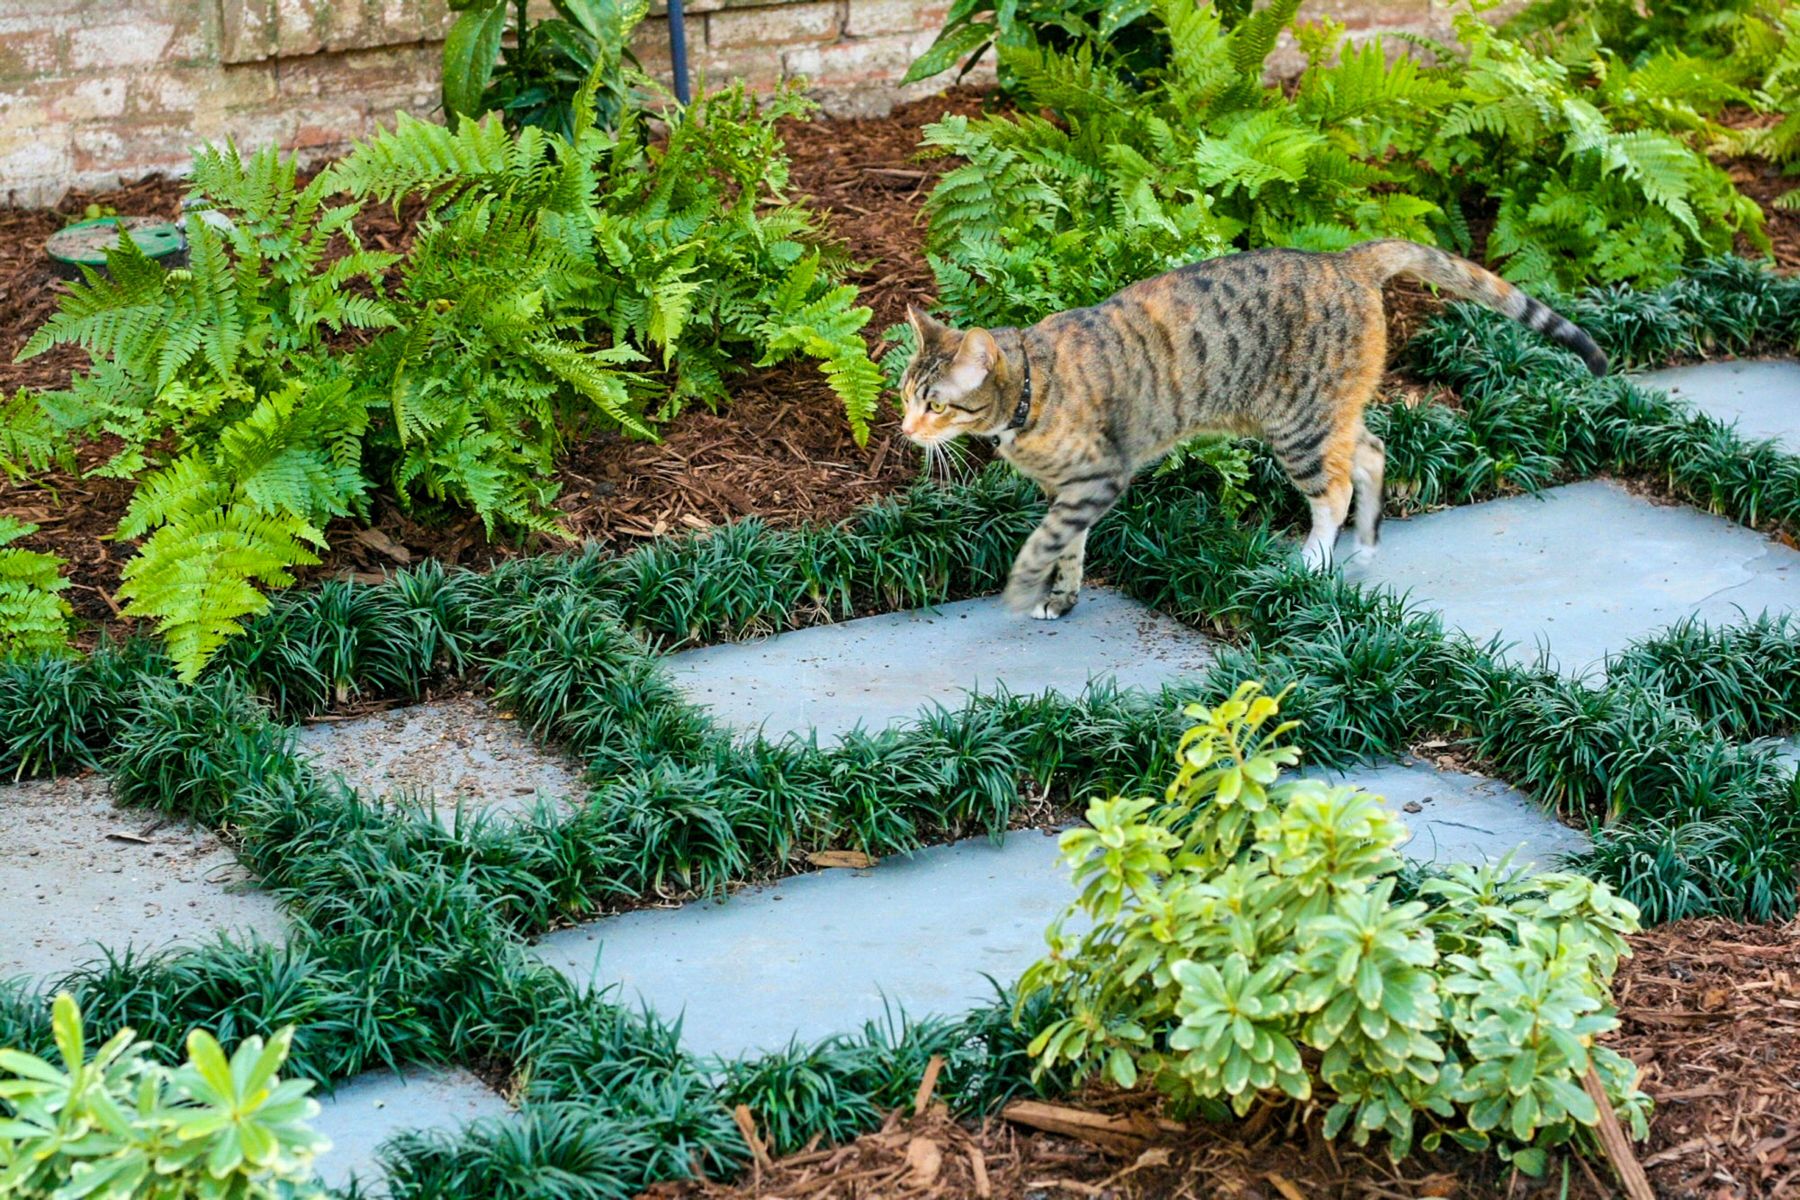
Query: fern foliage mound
[
  {"x": 1592, "y": 167},
  {"x": 681, "y": 252},
  {"x": 557, "y": 284}
]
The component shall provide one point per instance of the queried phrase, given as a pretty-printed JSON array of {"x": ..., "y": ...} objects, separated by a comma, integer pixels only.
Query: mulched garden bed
[
  {"x": 1711, "y": 1014},
  {"x": 780, "y": 450}
]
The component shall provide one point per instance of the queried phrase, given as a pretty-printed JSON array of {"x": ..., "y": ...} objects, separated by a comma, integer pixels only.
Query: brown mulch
[
  {"x": 1710, "y": 1009},
  {"x": 1765, "y": 183},
  {"x": 1711, "y": 1013}
]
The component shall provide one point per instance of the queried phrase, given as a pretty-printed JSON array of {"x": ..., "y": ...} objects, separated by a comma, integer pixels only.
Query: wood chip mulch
[{"x": 1711, "y": 1014}]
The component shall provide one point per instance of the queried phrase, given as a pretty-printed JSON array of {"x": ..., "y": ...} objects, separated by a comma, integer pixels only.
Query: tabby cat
[{"x": 1279, "y": 344}]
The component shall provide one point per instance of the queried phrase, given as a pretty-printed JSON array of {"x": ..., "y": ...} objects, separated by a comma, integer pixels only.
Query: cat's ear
[
  {"x": 924, "y": 324},
  {"x": 975, "y": 361}
]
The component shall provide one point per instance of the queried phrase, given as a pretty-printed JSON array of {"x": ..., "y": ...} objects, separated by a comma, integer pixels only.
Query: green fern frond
[
  {"x": 30, "y": 440},
  {"x": 200, "y": 576},
  {"x": 33, "y": 618}
]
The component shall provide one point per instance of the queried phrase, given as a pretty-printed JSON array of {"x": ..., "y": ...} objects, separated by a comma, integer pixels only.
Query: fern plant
[
  {"x": 1595, "y": 165},
  {"x": 271, "y": 386},
  {"x": 1781, "y": 94},
  {"x": 1138, "y": 175},
  {"x": 207, "y": 376},
  {"x": 1592, "y": 183},
  {"x": 680, "y": 251}
]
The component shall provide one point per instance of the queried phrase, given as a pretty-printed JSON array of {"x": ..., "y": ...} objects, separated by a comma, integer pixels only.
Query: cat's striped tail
[{"x": 1384, "y": 259}]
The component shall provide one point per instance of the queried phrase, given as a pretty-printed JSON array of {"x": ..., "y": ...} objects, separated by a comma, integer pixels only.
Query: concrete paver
[
  {"x": 878, "y": 670},
  {"x": 819, "y": 954},
  {"x": 1761, "y": 396},
  {"x": 1587, "y": 568},
  {"x": 368, "y": 1110},
  {"x": 453, "y": 751},
  {"x": 79, "y": 873}
]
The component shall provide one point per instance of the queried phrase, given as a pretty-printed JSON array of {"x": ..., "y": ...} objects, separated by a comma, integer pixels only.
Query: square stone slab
[
  {"x": 456, "y": 751},
  {"x": 1587, "y": 568},
  {"x": 818, "y": 954},
  {"x": 879, "y": 670},
  {"x": 368, "y": 1110},
  {"x": 78, "y": 873},
  {"x": 1761, "y": 397}
]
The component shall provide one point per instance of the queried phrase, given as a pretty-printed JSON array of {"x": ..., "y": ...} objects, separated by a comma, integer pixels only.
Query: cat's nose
[{"x": 909, "y": 424}]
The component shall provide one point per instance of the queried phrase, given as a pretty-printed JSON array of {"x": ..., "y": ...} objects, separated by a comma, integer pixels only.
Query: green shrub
[
  {"x": 1247, "y": 942},
  {"x": 538, "y": 78},
  {"x": 118, "y": 1126}
]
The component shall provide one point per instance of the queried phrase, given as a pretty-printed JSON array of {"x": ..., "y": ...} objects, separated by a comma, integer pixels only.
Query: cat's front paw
[
  {"x": 1055, "y": 606},
  {"x": 1025, "y": 596}
]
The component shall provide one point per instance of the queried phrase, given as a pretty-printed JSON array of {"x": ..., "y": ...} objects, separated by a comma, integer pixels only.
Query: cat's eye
[{"x": 937, "y": 406}]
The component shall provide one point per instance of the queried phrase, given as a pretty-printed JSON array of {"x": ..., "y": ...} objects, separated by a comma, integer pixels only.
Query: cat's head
[{"x": 951, "y": 386}]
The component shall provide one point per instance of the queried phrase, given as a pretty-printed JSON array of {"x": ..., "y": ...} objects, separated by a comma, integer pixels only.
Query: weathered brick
[
  {"x": 246, "y": 86},
  {"x": 35, "y": 170},
  {"x": 195, "y": 40},
  {"x": 247, "y": 32},
  {"x": 868, "y": 18},
  {"x": 126, "y": 44},
  {"x": 759, "y": 67},
  {"x": 30, "y": 54},
  {"x": 786, "y": 25},
  {"x": 659, "y": 8},
  {"x": 1369, "y": 14},
  {"x": 858, "y": 61},
  {"x": 25, "y": 108},
  {"x": 89, "y": 99}
]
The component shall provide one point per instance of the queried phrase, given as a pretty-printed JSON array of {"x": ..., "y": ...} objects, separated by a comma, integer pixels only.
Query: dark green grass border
[{"x": 407, "y": 933}]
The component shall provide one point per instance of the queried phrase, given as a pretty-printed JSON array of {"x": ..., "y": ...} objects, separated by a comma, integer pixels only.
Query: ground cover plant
[
  {"x": 406, "y": 931},
  {"x": 559, "y": 284}
]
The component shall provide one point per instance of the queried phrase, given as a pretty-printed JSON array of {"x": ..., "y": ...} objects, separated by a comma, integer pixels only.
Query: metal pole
[{"x": 678, "y": 50}]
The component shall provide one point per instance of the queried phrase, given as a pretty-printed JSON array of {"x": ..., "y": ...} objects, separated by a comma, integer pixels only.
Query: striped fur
[{"x": 1284, "y": 345}]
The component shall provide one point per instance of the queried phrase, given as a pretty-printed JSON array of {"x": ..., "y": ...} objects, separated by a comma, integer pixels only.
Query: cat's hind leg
[
  {"x": 1367, "y": 469},
  {"x": 1320, "y": 462}
]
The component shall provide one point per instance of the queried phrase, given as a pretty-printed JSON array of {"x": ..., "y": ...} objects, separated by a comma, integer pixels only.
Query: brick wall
[{"x": 95, "y": 91}]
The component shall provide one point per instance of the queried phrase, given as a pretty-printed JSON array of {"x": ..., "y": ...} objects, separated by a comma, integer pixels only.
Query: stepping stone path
[
  {"x": 456, "y": 751},
  {"x": 1586, "y": 569},
  {"x": 368, "y": 1110},
  {"x": 1760, "y": 397},
  {"x": 879, "y": 670},
  {"x": 80, "y": 873},
  {"x": 823, "y": 953}
]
